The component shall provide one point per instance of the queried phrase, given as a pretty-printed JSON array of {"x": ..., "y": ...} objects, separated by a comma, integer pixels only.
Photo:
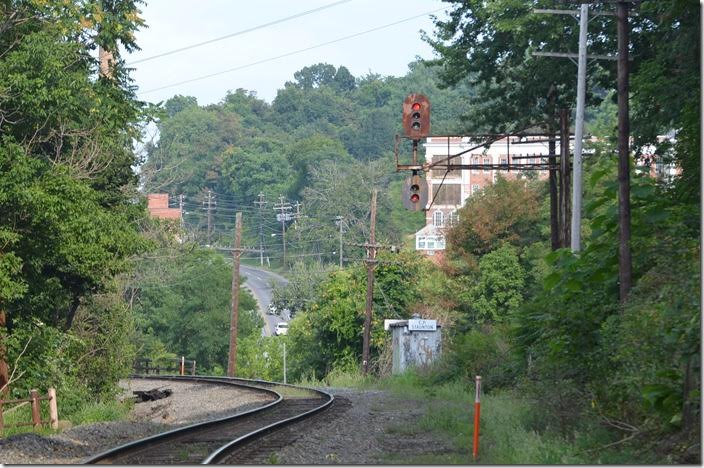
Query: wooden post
[
  {"x": 371, "y": 260},
  {"x": 193, "y": 367},
  {"x": 53, "y": 409},
  {"x": 284, "y": 362},
  {"x": 232, "y": 358},
  {"x": 624, "y": 177},
  {"x": 565, "y": 178},
  {"x": 182, "y": 367},
  {"x": 477, "y": 409},
  {"x": 2, "y": 421},
  {"x": 36, "y": 413},
  {"x": 554, "y": 224}
]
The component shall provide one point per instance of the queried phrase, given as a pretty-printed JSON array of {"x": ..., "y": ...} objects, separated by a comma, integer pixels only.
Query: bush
[{"x": 484, "y": 351}]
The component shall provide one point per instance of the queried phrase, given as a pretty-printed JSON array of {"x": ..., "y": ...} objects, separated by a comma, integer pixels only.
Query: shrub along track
[{"x": 216, "y": 441}]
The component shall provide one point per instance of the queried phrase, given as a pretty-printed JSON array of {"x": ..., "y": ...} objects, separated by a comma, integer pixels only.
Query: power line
[
  {"x": 288, "y": 54},
  {"x": 238, "y": 33}
]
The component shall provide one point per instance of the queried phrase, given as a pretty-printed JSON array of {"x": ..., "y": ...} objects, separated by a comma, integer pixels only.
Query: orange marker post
[{"x": 475, "y": 445}]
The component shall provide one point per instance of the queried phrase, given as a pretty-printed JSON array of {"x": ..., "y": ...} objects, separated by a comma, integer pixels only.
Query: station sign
[{"x": 422, "y": 325}]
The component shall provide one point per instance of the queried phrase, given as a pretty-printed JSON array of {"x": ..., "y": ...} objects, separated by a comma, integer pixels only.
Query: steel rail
[{"x": 222, "y": 448}]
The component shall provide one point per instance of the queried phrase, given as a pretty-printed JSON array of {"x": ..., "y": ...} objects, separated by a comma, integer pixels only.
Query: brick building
[
  {"x": 460, "y": 185},
  {"x": 158, "y": 206}
]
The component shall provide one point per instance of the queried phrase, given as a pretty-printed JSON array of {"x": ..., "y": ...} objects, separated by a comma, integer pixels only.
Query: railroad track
[{"x": 219, "y": 441}]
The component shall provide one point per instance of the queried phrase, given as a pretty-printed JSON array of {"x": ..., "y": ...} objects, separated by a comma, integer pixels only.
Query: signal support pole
[
  {"x": 370, "y": 261},
  {"x": 232, "y": 358}
]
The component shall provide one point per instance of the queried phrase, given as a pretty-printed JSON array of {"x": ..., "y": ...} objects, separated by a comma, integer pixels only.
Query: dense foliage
[
  {"x": 182, "y": 303},
  {"x": 68, "y": 216},
  {"x": 326, "y": 140},
  {"x": 561, "y": 335}
]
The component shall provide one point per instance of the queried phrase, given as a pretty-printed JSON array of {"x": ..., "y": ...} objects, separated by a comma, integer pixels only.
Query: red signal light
[
  {"x": 416, "y": 116},
  {"x": 415, "y": 197}
]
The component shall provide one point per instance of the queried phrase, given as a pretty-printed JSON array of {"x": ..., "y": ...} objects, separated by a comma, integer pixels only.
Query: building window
[
  {"x": 430, "y": 243},
  {"x": 438, "y": 219},
  {"x": 487, "y": 163},
  {"x": 475, "y": 161},
  {"x": 453, "y": 218},
  {"x": 504, "y": 161},
  {"x": 439, "y": 173},
  {"x": 447, "y": 194},
  {"x": 475, "y": 188}
]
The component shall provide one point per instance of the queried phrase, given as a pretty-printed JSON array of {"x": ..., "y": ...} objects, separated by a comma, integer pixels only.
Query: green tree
[
  {"x": 68, "y": 212},
  {"x": 491, "y": 43},
  {"x": 185, "y": 303},
  {"x": 327, "y": 335},
  {"x": 507, "y": 211},
  {"x": 498, "y": 290}
]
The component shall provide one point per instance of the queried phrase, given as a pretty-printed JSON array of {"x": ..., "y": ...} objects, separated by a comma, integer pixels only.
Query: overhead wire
[
  {"x": 288, "y": 54},
  {"x": 238, "y": 33}
]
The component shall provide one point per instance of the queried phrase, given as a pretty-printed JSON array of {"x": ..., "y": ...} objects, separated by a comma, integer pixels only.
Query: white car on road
[{"x": 281, "y": 328}]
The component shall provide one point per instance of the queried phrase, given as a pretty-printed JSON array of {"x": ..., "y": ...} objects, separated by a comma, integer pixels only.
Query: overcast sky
[{"x": 174, "y": 24}]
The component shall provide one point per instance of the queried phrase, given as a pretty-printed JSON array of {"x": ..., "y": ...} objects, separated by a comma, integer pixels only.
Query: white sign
[
  {"x": 422, "y": 325},
  {"x": 285, "y": 216}
]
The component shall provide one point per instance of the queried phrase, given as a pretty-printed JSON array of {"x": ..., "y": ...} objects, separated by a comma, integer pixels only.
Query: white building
[{"x": 454, "y": 187}]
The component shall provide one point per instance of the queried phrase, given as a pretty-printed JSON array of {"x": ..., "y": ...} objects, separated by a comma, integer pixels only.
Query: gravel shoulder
[
  {"x": 369, "y": 427},
  {"x": 189, "y": 403}
]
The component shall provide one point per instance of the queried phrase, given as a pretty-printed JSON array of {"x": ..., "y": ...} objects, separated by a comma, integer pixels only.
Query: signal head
[{"x": 416, "y": 116}]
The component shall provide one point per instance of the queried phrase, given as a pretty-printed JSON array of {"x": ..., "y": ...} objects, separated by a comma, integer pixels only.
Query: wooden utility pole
[
  {"x": 339, "y": 221},
  {"x": 552, "y": 170},
  {"x": 371, "y": 263},
  {"x": 209, "y": 204},
  {"x": 260, "y": 205},
  {"x": 624, "y": 182},
  {"x": 552, "y": 178},
  {"x": 232, "y": 358},
  {"x": 283, "y": 206},
  {"x": 564, "y": 177}
]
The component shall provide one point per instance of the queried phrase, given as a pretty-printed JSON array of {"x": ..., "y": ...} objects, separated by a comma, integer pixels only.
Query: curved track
[{"x": 217, "y": 441}]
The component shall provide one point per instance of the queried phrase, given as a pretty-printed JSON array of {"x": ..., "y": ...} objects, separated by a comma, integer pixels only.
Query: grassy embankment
[
  {"x": 90, "y": 412},
  {"x": 512, "y": 430}
]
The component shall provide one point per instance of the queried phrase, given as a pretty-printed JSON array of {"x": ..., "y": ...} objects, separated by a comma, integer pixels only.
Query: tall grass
[
  {"x": 510, "y": 428},
  {"x": 102, "y": 411}
]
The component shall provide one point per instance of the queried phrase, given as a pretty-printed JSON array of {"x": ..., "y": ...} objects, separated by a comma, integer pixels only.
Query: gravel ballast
[
  {"x": 363, "y": 427},
  {"x": 189, "y": 403}
]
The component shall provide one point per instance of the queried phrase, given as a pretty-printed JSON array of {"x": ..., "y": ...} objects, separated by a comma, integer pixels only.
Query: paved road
[{"x": 259, "y": 283}]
